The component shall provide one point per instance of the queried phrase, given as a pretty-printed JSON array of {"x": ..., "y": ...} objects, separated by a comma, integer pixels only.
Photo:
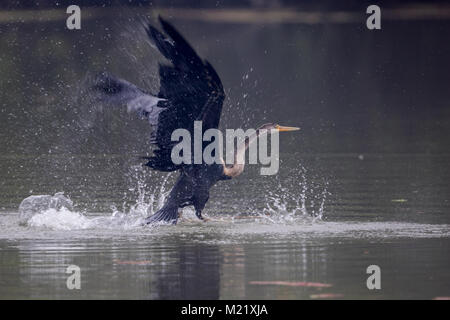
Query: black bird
[{"x": 190, "y": 90}]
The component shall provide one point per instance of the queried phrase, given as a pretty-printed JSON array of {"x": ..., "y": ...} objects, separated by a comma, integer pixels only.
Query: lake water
[
  {"x": 365, "y": 182},
  {"x": 369, "y": 212}
]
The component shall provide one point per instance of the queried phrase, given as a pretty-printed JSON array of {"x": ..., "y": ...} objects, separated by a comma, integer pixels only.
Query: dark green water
[{"x": 371, "y": 163}]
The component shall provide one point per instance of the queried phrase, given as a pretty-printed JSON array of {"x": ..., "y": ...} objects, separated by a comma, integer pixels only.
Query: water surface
[{"x": 340, "y": 227}]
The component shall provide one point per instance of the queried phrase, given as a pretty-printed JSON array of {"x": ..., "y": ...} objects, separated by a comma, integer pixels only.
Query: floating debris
[{"x": 326, "y": 296}]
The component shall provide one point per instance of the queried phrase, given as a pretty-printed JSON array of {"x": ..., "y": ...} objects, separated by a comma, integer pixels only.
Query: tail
[{"x": 166, "y": 214}]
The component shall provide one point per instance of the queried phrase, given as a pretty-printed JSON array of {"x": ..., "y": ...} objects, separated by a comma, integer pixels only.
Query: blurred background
[{"x": 351, "y": 89}]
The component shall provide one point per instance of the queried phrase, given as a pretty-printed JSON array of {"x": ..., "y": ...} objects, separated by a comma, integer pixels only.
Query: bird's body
[
  {"x": 190, "y": 90},
  {"x": 190, "y": 189}
]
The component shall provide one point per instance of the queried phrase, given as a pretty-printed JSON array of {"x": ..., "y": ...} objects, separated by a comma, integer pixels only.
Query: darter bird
[{"x": 190, "y": 90}]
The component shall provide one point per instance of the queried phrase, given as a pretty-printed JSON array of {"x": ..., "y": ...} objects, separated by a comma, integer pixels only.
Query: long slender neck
[{"x": 239, "y": 154}]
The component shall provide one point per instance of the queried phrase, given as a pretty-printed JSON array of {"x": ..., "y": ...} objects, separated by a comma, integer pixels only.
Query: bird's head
[{"x": 275, "y": 126}]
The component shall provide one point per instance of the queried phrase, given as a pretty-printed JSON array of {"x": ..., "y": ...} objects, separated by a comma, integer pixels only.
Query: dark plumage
[{"x": 190, "y": 90}]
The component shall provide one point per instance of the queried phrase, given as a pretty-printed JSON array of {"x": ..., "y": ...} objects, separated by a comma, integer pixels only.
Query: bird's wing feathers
[
  {"x": 190, "y": 90},
  {"x": 213, "y": 107},
  {"x": 191, "y": 87},
  {"x": 110, "y": 90}
]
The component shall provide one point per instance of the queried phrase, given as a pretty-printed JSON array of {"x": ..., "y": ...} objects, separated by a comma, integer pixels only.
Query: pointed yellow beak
[{"x": 283, "y": 128}]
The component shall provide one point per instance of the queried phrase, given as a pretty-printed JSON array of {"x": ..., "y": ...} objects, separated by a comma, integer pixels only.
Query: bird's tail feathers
[{"x": 165, "y": 214}]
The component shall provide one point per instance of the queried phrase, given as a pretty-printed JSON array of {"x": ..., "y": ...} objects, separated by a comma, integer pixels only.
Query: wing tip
[
  {"x": 106, "y": 82},
  {"x": 153, "y": 32},
  {"x": 170, "y": 30},
  {"x": 160, "y": 19}
]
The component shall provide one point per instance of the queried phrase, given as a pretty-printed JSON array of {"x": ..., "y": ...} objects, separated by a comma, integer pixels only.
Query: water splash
[
  {"x": 39, "y": 203},
  {"x": 60, "y": 219},
  {"x": 294, "y": 211},
  {"x": 149, "y": 197},
  {"x": 57, "y": 213},
  {"x": 299, "y": 198},
  {"x": 303, "y": 199}
]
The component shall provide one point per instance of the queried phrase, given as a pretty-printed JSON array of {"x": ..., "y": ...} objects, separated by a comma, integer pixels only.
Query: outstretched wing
[
  {"x": 114, "y": 91},
  {"x": 191, "y": 88}
]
